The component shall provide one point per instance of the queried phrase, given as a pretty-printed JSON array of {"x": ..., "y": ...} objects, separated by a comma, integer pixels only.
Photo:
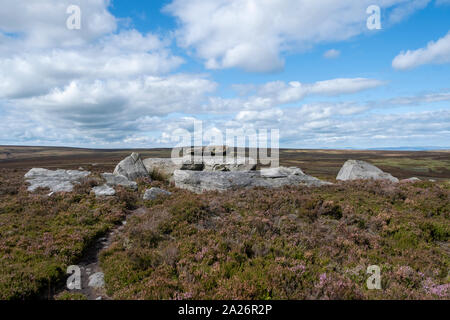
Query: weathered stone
[
  {"x": 97, "y": 280},
  {"x": 103, "y": 191},
  {"x": 56, "y": 181},
  {"x": 131, "y": 167},
  {"x": 166, "y": 166},
  {"x": 281, "y": 172},
  {"x": 410, "y": 180},
  {"x": 201, "y": 181},
  {"x": 119, "y": 180},
  {"x": 357, "y": 169},
  {"x": 217, "y": 163},
  {"x": 154, "y": 193}
]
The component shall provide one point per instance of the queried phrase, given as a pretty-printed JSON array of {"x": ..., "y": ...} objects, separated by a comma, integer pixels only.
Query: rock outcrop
[
  {"x": 154, "y": 193},
  {"x": 131, "y": 167},
  {"x": 361, "y": 170},
  {"x": 201, "y": 181},
  {"x": 113, "y": 180},
  {"x": 167, "y": 166},
  {"x": 229, "y": 164},
  {"x": 56, "y": 181}
]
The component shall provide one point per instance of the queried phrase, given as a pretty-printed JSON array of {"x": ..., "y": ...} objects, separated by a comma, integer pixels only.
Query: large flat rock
[
  {"x": 56, "y": 180},
  {"x": 361, "y": 170},
  {"x": 201, "y": 181}
]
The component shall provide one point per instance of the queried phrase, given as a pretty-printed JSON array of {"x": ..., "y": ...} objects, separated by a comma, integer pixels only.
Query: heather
[
  {"x": 41, "y": 235},
  {"x": 290, "y": 243}
]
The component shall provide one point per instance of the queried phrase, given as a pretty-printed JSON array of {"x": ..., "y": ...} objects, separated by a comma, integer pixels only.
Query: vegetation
[
  {"x": 40, "y": 235},
  {"x": 292, "y": 243},
  {"x": 296, "y": 243}
]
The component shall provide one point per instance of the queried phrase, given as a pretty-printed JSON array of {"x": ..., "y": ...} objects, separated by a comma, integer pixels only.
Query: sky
[{"x": 137, "y": 74}]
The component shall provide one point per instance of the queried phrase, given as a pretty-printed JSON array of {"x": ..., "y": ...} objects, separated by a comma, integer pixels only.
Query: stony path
[{"x": 90, "y": 265}]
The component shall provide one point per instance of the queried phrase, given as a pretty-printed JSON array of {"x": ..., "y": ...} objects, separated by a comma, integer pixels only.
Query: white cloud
[
  {"x": 419, "y": 99},
  {"x": 42, "y": 23},
  {"x": 125, "y": 55},
  {"x": 332, "y": 54},
  {"x": 434, "y": 52},
  {"x": 350, "y": 125},
  {"x": 94, "y": 84},
  {"x": 104, "y": 87},
  {"x": 265, "y": 115},
  {"x": 254, "y": 35},
  {"x": 273, "y": 94}
]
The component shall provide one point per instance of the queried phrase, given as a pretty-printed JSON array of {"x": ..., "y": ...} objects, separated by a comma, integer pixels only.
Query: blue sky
[{"x": 137, "y": 73}]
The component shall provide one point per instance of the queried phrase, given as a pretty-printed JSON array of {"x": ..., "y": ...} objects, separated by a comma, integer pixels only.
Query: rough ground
[{"x": 295, "y": 243}]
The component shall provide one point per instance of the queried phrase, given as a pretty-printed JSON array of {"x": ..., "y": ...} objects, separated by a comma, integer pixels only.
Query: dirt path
[{"x": 90, "y": 265}]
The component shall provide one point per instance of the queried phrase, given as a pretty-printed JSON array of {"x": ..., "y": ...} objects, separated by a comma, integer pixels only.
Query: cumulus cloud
[
  {"x": 107, "y": 86},
  {"x": 97, "y": 83},
  {"x": 42, "y": 23},
  {"x": 124, "y": 55},
  {"x": 435, "y": 52},
  {"x": 254, "y": 35}
]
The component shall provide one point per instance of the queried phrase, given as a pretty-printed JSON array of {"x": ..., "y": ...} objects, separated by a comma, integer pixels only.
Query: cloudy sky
[{"x": 138, "y": 71}]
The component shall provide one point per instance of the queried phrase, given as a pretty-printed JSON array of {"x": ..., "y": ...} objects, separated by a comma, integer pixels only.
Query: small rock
[
  {"x": 119, "y": 180},
  {"x": 104, "y": 191},
  {"x": 98, "y": 298},
  {"x": 97, "y": 280},
  {"x": 154, "y": 193}
]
